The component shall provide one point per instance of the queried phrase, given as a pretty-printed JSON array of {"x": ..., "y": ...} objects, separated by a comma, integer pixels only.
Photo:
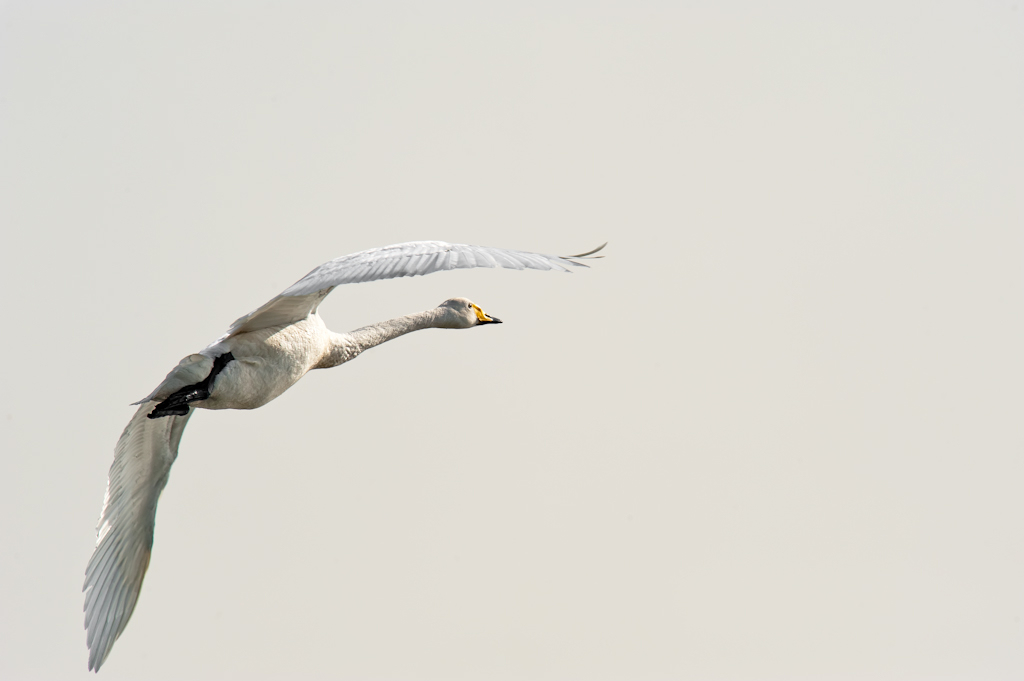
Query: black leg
[{"x": 177, "y": 403}]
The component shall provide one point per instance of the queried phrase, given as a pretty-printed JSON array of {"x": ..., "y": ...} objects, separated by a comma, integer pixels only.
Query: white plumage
[
  {"x": 401, "y": 260},
  {"x": 262, "y": 355}
]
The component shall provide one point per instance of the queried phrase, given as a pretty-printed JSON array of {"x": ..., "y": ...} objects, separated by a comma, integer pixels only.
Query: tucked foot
[
  {"x": 167, "y": 411},
  {"x": 177, "y": 403}
]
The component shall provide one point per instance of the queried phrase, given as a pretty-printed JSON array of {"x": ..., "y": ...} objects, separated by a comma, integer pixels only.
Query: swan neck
[{"x": 347, "y": 346}]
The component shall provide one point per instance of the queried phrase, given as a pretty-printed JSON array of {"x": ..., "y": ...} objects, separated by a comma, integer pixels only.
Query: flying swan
[{"x": 262, "y": 354}]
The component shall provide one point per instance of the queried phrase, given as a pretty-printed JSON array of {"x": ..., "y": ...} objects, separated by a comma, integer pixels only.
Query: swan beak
[{"x": 484, "y": 318}]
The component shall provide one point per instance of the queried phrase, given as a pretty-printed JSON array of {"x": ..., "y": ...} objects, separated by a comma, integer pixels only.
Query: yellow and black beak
[{"x": 484, "y": 318}]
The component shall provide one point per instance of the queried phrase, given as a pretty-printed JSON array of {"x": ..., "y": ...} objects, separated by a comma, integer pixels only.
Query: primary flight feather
[{"x": 262, "y": 354}]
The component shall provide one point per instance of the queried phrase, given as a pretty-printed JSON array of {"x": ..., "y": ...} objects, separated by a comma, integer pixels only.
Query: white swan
[{"x": 263, "y": 354}]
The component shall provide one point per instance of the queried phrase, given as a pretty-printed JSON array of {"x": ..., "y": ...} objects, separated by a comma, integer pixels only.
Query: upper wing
[
  {"x": 142, "y": 461},
  {"x": 401, "y": 260}
]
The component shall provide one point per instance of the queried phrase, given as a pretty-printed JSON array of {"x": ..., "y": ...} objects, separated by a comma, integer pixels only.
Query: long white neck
[{"x": 346, "y": 346}]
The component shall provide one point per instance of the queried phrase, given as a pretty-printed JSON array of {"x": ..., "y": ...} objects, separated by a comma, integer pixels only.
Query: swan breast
[{"x": 266, "y": 363}]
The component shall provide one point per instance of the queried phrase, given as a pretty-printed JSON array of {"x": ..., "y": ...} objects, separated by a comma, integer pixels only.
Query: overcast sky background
[{"x": 775, "y": 434}]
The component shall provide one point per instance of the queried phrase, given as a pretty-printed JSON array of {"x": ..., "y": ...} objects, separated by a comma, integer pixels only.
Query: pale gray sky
[{"x": 775, "y": 434}]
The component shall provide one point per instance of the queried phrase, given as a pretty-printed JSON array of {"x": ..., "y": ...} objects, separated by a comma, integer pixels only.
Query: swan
[{"x": 262, "y": 354}]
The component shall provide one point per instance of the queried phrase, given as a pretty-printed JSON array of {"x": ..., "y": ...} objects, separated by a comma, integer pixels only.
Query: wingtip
[{"x": 588, "y": 254}]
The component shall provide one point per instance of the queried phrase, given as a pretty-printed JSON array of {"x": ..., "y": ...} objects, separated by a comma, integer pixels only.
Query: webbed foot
[{"x": 177, "y": 403}]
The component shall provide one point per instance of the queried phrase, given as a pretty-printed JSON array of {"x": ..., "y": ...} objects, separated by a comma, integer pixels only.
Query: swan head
[{"x": 462, "y": 313}]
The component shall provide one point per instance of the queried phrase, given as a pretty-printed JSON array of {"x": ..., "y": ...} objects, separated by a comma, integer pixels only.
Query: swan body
[{"x": 262, "y": 355}]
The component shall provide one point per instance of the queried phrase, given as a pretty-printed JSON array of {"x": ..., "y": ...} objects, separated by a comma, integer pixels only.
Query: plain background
[{"x": 775, "y": 434}]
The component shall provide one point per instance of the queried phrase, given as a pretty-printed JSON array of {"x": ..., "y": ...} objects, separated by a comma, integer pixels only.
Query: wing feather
[
  {"x": 142, "y": 462},
  {"x": 410, "y": 259}
]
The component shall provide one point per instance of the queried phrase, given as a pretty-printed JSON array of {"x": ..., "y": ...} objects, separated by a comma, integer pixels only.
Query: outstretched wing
[
  {"x": 142, "y": 461},
  {"x": 401, "y": 260}
]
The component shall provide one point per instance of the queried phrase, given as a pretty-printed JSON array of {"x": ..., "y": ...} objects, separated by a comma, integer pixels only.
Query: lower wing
[{"x": 113, "y": 579}]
